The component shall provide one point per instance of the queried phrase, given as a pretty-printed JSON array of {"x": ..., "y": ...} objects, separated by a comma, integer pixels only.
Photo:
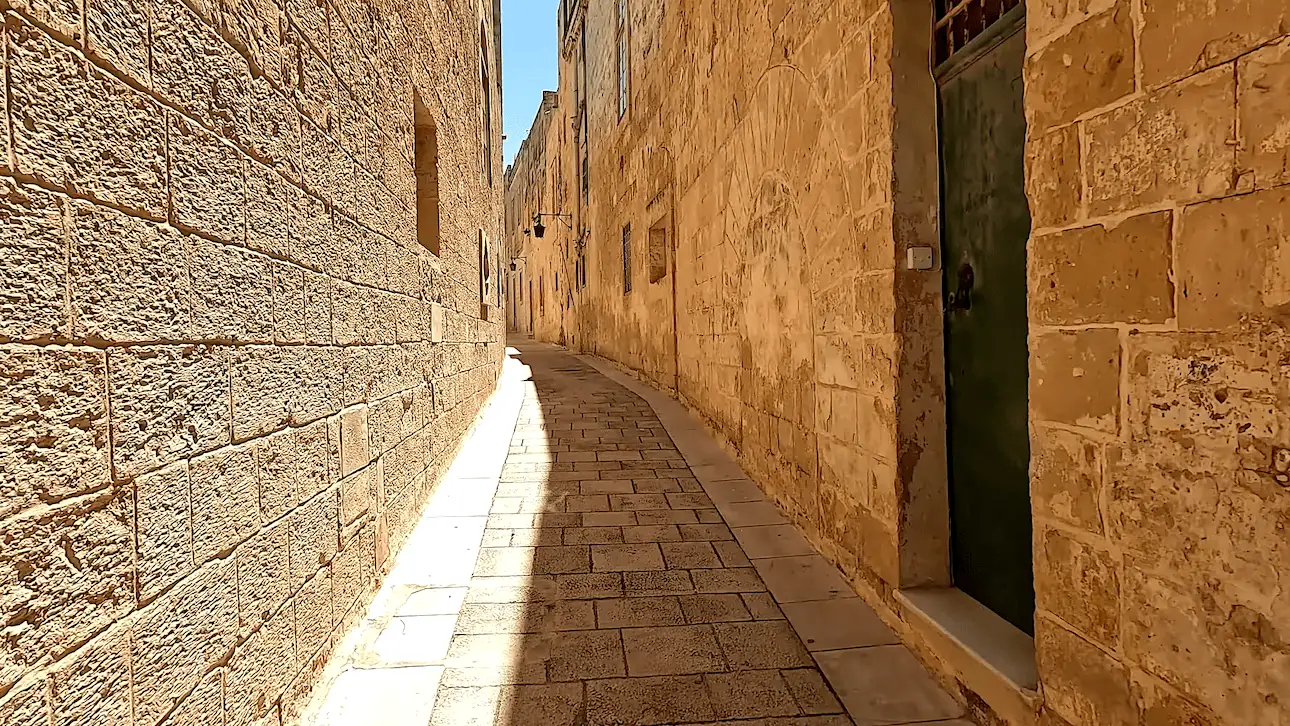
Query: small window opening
[{"x": 426, "y": 155}]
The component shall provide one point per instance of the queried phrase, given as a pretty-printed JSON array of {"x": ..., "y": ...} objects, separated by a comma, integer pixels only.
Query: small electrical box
[{"x": 918, "y": 258}]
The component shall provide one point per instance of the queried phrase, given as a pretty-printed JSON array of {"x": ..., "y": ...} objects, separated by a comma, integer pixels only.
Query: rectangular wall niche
[{"x": 658, "y": 252}]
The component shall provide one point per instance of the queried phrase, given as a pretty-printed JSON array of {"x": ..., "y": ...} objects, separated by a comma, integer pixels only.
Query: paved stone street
[{"x": 617, "y": 568}]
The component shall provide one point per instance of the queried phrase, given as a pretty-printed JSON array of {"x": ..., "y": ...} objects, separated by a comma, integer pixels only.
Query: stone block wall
[
  {"x": 230, "y": 374},
  {"x": 792, "y": 149},
  {"x": 1158, "y": 164}
]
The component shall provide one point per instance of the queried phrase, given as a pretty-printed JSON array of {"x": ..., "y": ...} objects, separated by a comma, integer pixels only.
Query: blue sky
[{"x": 528, "y": 65}]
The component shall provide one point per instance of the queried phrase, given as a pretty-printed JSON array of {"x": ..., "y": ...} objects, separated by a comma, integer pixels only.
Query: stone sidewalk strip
[{"x": 611, "y": 565}]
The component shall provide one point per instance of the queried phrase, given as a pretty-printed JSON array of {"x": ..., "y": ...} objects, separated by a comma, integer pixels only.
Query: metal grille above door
[{"x": 959, "y": 21}]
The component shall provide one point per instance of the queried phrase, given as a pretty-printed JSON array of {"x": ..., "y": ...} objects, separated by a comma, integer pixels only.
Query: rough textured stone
[
  {"x": 1234, "y": 261},
  {"x": 167, "y": 403},
  {"x": 1171, "y": 144},
  {"x": 1179, "y": 39},
  {"x": 25, "y": 705},
  {"x": 260, "y": 670},
  {"x": 166, "y": 339},
  {"x": 177, "y": 638},
  {"x": 93, "y": 685},
  {"x": 53, "y": 426},
  {"x": 193, "y": 67},
  {"x": 67, "y": 574},
  {"x": 225, "y": 495},
  {"x": 204, "y": 706},
  {"x": 1100, "y": 275},
  {"x": 263, "y": 576},
  {"x": 1082, "y": 683},
  {"x": 1081, "y": 585},
  {"x": 1067, "y": 479},
  {"x": 313, "y": 615},
  {"x": 164, "y": 529},
  {"x": 1076, "y": 378},
  {"x": 1263, "y": 88},
  {"x": 1101, "y": 48},
  {"x": 1053, "y": 184},
  {"x": 129, "y": 278},
  {"x": 117, "y": 155},
  {"x": 33, "y": 245},
  {"x": 232, "y": 295},
  {"x": 314, "y": 536}
]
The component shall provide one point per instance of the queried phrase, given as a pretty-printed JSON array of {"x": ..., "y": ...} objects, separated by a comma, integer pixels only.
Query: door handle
[{"x": 961, "y": 298}]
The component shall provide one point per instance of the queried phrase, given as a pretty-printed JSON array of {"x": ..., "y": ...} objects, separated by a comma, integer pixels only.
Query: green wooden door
[{"x": 986, "y": 222}]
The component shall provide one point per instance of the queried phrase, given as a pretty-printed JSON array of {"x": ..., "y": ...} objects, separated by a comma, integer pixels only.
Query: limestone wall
[
  {"x": 223, "y": 394},
  {"x": 791, "y": 147},
  {"x": 1158, "y": 161},
  {"x": 530, "y": 190}
]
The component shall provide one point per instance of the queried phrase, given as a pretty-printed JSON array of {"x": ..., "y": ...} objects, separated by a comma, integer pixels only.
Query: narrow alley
[{"x": 617, "y": 569}]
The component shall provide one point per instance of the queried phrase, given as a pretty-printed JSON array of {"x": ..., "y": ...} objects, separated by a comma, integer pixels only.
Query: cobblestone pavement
[{"x": 616, "y": 569}]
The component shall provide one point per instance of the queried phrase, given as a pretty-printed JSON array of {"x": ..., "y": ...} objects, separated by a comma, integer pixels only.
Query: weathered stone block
[
  {"x": 1066, "y": 478},
  {"x": 355, "y": 445},
  {"x": 313, "y": 616},
  {"x": 93, "y": 685},
  {"x": 1089, "y": 67},
  {"x": 118, "y": 35},
  {"x": 53, "y": 437},
  {"x": 1080, "y": 584},
  {"x": 259, "y": 671},
  {"x": 26, "y": 705},
  {"x": 289, "y": 304},
  {"x": 353, "y": 569},
  {"x": 129, "y": 278},
  {"x": 1160, "y": 705},
  {"x": 1075, "y": 378},
  {"x": 179, "y": 637},
  {"x": 263, "y": 576},
  {"x": 204, "y": 706},
  {"x": 164, "y": 529},
  {"x": 1053, "y": 185},
  {"x": 274, "y": 387},
  {"x": 1173, "y": 144},
  {"x": 1082, "y": 683},
  {"x": 315, "y": 536},
  {"x": 116, "y": 155},
  {"x": 1263, "y": 99},
  {"x": 1101, "y": 275},
  {"x": 1182, "y": 38},
  {"x": 268, "y": 196},
  {"x": 226, "y": 509},
  {"x": 63, "y": 17},
  {"x": 34, "y": 247},
  {"x": 66, "y": 573},
  {"x": 232, "y": 295},
  {"x": 271, "y": 128},
  {"x": 198, "y": 70},
  {"x": 168, "y": 403},
  {"x": 1234, "y": 261},
  {"x": 1223, "y": 651},
  {"x": 313, "y": 239},
  {"x": 206, "y": 182},
  {"x": 1054, "y": 16}
]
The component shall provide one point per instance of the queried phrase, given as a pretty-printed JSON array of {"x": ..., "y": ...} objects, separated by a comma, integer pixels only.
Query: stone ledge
[{"x": 989, "y": 655}]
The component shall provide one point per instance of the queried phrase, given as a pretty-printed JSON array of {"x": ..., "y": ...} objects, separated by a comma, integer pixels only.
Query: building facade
[
  {"x": 248, "y": 309},
  {"x": 989, "y": 296}
]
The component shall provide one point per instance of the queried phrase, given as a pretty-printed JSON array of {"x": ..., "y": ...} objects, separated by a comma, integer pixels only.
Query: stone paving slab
[{"x": 599, "y": 560}]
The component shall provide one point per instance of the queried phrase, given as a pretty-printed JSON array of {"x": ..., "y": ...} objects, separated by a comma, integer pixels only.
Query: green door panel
[{"x": 985, "y": 223}]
